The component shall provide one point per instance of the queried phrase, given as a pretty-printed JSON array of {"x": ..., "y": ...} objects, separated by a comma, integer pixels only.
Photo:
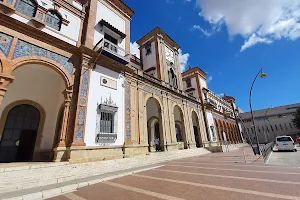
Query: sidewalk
[{"x": 36, "y": 180}]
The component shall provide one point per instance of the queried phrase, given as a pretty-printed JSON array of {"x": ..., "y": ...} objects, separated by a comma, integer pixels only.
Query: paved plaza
[
  {"x": 285, "y": 158},
  {"x": 212, "y": 176}
]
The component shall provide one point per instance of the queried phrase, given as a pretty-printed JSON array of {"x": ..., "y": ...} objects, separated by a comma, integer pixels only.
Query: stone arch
[
  {"x": 180, "y": 119},
  {"x": 158, "y": 100},
  {"x": 154, "y": 115},
  {"x": 196, "y": 128},
  {"x": 19, "y": 62},
  {"x": 217, "y": 129},
  {"x": 41, "y": 123}
]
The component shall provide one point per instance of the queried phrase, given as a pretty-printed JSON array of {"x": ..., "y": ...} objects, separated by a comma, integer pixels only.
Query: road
[
  {"x": 285, "y": 158},
  {"x": 221, "y": 176}
]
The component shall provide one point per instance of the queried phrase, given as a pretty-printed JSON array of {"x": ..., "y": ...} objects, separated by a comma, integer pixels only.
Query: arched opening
[
  {"x": 44, "y": 86},
  {"x": 196, "y": 129},
  {"x": 19, "y": 134},
  {"x": 179, "y": 128},
  {"x": 53, "y": 19},
  {"x": 154, "y": 121}
]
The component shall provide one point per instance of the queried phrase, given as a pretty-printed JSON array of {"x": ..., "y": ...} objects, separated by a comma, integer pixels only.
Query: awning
[{"x": 102, "y": 22}]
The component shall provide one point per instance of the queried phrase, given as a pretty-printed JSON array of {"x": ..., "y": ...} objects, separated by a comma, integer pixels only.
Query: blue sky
[{"x": 231, "y": 40}]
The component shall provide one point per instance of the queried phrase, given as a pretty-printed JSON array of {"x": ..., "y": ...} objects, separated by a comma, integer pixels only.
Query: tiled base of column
[
  {"x": 192, "y": 145},
  {"x": 61, "y": 154},
  {"x": 91, "y": 154},
  {"x": 135, "y": 150},
  {"x": 172, "y": 147}
]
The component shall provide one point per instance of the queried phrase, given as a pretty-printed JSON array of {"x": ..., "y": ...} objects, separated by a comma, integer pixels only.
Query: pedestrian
[
  {"x": 156, "y": 142},
  {"x": 298, "y": 140}
]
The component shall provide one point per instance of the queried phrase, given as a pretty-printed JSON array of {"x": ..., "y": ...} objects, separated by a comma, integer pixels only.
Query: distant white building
[{"x": 270, "y": 123}]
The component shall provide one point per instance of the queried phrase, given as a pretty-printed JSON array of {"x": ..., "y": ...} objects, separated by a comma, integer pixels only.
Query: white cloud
[
  {"x": 258, "y": 21},
  {"x": 183, "y": 60},
  {"x": 210, "y": 78},
  {"x": 221, "y": 95},
  {"x": 254, "y": 40},
  {"x": 134, "y": 49},
  {"x": 204, "y": 31}
]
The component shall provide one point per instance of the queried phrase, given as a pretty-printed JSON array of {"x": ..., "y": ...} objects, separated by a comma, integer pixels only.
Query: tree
[{"x": 296, "y": 119}]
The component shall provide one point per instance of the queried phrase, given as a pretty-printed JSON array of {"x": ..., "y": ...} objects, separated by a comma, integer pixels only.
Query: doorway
[{"x": 19, "y": 134}]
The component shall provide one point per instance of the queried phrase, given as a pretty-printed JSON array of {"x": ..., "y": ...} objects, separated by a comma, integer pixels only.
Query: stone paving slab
[
  {"x": 38, "y": 180},
  {"x": 186, "y": 181}
]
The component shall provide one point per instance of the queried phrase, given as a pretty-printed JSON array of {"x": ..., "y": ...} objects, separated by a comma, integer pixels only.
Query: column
[
  {"x": 5, "y": 80},
  {"x": 67, "y": 103},
  {"x": 79, "y": 130},
  {"x": 142, "y": 117}
]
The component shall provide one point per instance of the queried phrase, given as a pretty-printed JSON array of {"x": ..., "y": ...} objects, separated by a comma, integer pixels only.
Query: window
[
  {"x": 53, "y": 20},
  {"x": 286, "y": 128},
  {"x": 263, "y": 129},
  {"x": 111, "y": 39},
  {"x": 188, "y": 82},
  {"x": 212, "y": 128},
  {"x": 272, "y": 128},
  {"x": 148, "y": 49},
  {"x": 106, "y": 122},
  {"x": 284, "y": 139},
  {"x": 281, "y": 127},
  {"x": 26, "y": 7},
  {"x": 258, "y": 129},
  {"x": 267, "y": 129},
  {"x": 172, "y": 78},
  {"x": 291, "y": 125},
  {"x": 276, "y": 127}
]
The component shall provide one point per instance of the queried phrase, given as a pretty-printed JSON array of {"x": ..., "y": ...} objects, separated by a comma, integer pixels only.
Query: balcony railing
[{"x": 113, "y": 51}]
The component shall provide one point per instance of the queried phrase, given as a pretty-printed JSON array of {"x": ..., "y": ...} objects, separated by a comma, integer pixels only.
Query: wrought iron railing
[
  {"x": 108, "y": 46},
  {"x": 266, "y": 149}
]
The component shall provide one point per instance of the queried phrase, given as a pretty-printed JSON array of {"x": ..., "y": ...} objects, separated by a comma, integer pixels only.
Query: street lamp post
[
  {"x": 261, "y": 75},
  {"x": 242, "y": 121},
  {"x": 269, "y": 120}
]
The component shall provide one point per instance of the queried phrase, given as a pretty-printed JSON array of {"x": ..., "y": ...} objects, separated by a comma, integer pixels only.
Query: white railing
[{"x": 108, "y": 46}]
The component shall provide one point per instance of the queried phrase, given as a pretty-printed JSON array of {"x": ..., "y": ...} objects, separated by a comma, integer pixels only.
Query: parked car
[{"x": 285, "y": 143}]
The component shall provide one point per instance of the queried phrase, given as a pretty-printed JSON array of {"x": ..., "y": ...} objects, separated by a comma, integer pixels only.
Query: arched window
[
  {"x": 53, "y": 20},
  {"x": 26, "y": 7},
  {"x": 172, "y": 78}
]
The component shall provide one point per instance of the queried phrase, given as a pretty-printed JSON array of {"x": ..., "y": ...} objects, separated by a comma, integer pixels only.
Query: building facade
[
  {"x": 220, "y": 113},
  {"x": 70, "y": 89},
  {"x": 270, "y": 123}
]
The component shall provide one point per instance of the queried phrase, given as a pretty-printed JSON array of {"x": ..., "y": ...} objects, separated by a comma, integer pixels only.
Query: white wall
[
  {"x": 150, "y": 59},
  {"x": 105, "y": 13},
  {"x": 210, "y": 121},
  {"x": 96, "y": 92},
  {"x": 69, "y": 33},
  {"x": 43, "y": 86}
]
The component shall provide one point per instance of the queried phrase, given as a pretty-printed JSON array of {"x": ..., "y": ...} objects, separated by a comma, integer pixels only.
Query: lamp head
[{"x": 263, "y": 75}]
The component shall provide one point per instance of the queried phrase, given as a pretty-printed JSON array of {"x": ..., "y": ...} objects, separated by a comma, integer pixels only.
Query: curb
[{"x": 45, "y": 194}]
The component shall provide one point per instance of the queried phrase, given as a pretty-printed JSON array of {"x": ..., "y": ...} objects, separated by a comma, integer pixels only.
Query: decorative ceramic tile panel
[
  {"x": 26, "y": 49},
  {"x": 152, "y": 90},
  {"x": 127, "y": 102},
  {"x": 5, "y": 43},
  {"x": 80, "y": 123},
  {"x": 84, "y": 84}
]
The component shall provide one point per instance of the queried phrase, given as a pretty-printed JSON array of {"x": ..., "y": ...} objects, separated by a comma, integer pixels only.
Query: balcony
[{"x": 112, "y": 51}]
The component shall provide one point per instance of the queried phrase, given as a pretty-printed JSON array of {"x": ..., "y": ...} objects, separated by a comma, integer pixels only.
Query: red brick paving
[{"x": 211, "y": 188}]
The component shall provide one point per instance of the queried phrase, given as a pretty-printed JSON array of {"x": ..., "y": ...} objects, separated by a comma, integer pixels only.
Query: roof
[
  {"x": 195, "y": 69},
  {"x": 121, "y": 5},
  {"x": 154, "y": 33}
]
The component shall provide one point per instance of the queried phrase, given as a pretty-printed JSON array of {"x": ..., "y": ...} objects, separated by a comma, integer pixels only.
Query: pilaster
[{"x": 5, "y": 80}]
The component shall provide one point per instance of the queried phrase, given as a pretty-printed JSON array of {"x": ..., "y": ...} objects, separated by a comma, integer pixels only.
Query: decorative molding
[
  {"x": 151, "y": 90},
  {"x": 5, "y": 43},
  {"x": 26, "y": 49}
]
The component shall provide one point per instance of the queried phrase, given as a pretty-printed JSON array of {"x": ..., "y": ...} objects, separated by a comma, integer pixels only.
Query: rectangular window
[
  {"x": 106, "y": 122},
  {"x": 148, "y": 49},
  {"x": 267, "y": 129},
  {"x": 188, "y": 82},
  {"x": 286, "y": 128},
  {"x": 263, "y": 129},
  {"x": 291, "y": 125},
  {"x": 280, "y": 127},
  {"x": 276, "y": 127},
  {"x": 272, "y": 128},
  {"x": 258, "y": 129}
]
